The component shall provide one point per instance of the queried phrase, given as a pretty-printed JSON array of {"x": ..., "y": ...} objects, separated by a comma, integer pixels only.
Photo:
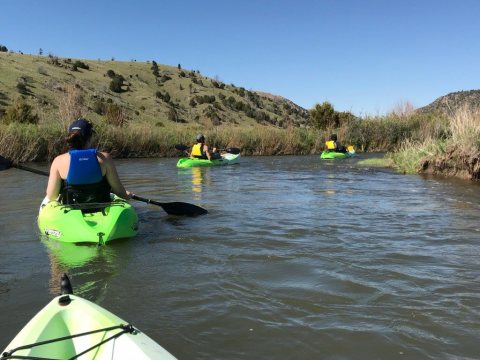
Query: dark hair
[
  {"x": 333, "y": 137},
  {"x": 75, "y": 140},
  {"x": 200, "y": 138},
  {"x": 79, "y": 132}
]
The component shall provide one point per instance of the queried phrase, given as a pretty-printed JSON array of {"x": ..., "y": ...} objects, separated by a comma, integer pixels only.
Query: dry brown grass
[{"x": 71, "y": 105}]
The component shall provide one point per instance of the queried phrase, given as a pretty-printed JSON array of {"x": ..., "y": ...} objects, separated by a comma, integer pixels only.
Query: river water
[{"x": 297, "y": 258}]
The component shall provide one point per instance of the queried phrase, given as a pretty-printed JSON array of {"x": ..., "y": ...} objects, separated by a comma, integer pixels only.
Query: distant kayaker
[
  {"x": 83, "y": 174},
  {"x": 201, "y": 150},
  {"x": 334, "y": 145}
]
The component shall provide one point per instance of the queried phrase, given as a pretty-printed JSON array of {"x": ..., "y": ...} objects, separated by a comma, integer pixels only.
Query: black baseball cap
[{"x": 84, "y": 126}]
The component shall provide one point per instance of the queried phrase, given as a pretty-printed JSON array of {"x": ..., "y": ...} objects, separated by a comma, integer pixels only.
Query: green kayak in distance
[
  {"x": 227, "y": 159},
  {"x": 66, "y": 316},
  {"x": 330, "y": 155},
  {"x": 88, "y": 223}
]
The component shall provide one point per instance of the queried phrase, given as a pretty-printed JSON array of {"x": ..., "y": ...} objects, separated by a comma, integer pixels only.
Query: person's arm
[
  {"x": 112, "y": 176},
  {"x": 207, "y": 151},
  {"x": 54, "y": 181}
]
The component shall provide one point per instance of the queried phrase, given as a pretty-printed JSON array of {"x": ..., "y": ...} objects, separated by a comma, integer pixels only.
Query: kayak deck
[
  {"x": 227, "y": 159},
  {"x": 330, "y": 155},
  {"x": 69, "y": 315},
  {"x": 83, "y": 224}
]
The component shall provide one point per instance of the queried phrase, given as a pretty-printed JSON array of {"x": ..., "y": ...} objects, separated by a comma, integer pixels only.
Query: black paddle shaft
[
  {"x": 171, "y": 208},
  {"x": 176, "y": 207}
]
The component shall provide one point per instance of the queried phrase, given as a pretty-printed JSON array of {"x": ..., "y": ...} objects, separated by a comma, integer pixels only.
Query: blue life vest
[
  {"x": 85, "y": 182},
  {"x": 84, "y": 167}
]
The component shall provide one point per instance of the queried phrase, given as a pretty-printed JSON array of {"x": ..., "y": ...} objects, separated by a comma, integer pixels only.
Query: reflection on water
[
  {"x": 297, "y": 258},
  {"x": 92, "y": 266},
  {"x": 199, "y": 178}
]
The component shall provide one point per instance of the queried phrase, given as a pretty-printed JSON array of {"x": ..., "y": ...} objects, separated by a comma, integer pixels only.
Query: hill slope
[
  {"x": 145, "y": 92},
  {"x": 450, "y": 103}
]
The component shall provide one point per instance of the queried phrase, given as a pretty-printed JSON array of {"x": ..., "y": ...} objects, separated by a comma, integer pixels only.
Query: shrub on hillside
[
  {"x": 20, "y": 112},
  {"x": 99, "y": 107},
  {"x": 22, "y": 88},
  {"x": 166, "y": 97},
  {"x": 218, "y": 85},
  {"x": 81, "y": 65},
  {"x": 212, "y": 114},
  {"x": 53, "y": 60},
  {"x": 116, "y": 84},
  {"x": 3, "y": 48},
  {"x": 165, "y": 78},
  {"x": 209, "y": 99},
  {"x": 172, "y": 114},
  {"x": 111, "y": 74}
]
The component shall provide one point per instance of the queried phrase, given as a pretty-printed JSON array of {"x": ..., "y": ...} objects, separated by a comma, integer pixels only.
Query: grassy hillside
[
  {"x": 163, "y": 97},
  {"x": 449, "y": 104}
]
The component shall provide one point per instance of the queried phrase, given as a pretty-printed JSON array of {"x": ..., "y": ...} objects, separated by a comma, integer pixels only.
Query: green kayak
[
  {"x": 71, "y": 327},
  {"x": 89, "y": 223},
  {"x": 227, "y": 159},
  {"x": 330, "y": 155}
]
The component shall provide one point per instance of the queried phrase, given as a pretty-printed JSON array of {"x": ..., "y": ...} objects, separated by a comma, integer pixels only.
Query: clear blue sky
[{"x": 364, "y": 56}]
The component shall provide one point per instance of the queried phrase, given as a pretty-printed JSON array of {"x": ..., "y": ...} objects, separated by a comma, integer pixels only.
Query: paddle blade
[
  {"x": 5, "y": 163},
  {"x": 232, "y": 150},
  {"x": 175, "y": 208},
  {"x": 181, "y": 208},
  {"x": 181, "y": 147}
]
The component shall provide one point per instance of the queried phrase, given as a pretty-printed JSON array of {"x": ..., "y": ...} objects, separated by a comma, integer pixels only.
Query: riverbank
[
  {"x": 414, "y": 144},
  {"x": 453, "y": 150}
]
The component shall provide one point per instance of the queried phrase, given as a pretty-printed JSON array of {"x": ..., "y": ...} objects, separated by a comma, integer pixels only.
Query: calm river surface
[{"x": 298, "y": 259}]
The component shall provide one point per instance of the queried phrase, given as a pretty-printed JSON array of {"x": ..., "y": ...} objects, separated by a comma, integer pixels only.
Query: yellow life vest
[
  {"x": 197, "y": 151},
  {"x": 330, "y": 145}
]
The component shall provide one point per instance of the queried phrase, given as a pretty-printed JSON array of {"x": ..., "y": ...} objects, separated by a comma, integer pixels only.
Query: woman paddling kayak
[
  {"x": 83, "y": 174},
  {"x": 79, "y": 206},
  {"x": 200, "y": 150}
]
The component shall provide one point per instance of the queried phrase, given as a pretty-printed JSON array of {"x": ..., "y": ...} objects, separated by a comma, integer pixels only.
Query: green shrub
[
  {"x": 22, "y": 88},
  {"x": 116, "y": 84},
  {"x": 81, "y": 65},
  {"x": 20, "y": 112},
  {"x": 324, "y": 116}
]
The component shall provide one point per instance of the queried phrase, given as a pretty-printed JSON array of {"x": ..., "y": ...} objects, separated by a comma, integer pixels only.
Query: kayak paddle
[
  {"x": 171, "y": 208},
  {"x": 230, "y": 150},
  {"x": 176, "y": 207}
]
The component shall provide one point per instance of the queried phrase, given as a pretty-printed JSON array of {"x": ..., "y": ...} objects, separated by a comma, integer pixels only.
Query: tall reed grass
[
  {"x": 454, "y": 149},
  {"x": 42, "y": 143}
]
